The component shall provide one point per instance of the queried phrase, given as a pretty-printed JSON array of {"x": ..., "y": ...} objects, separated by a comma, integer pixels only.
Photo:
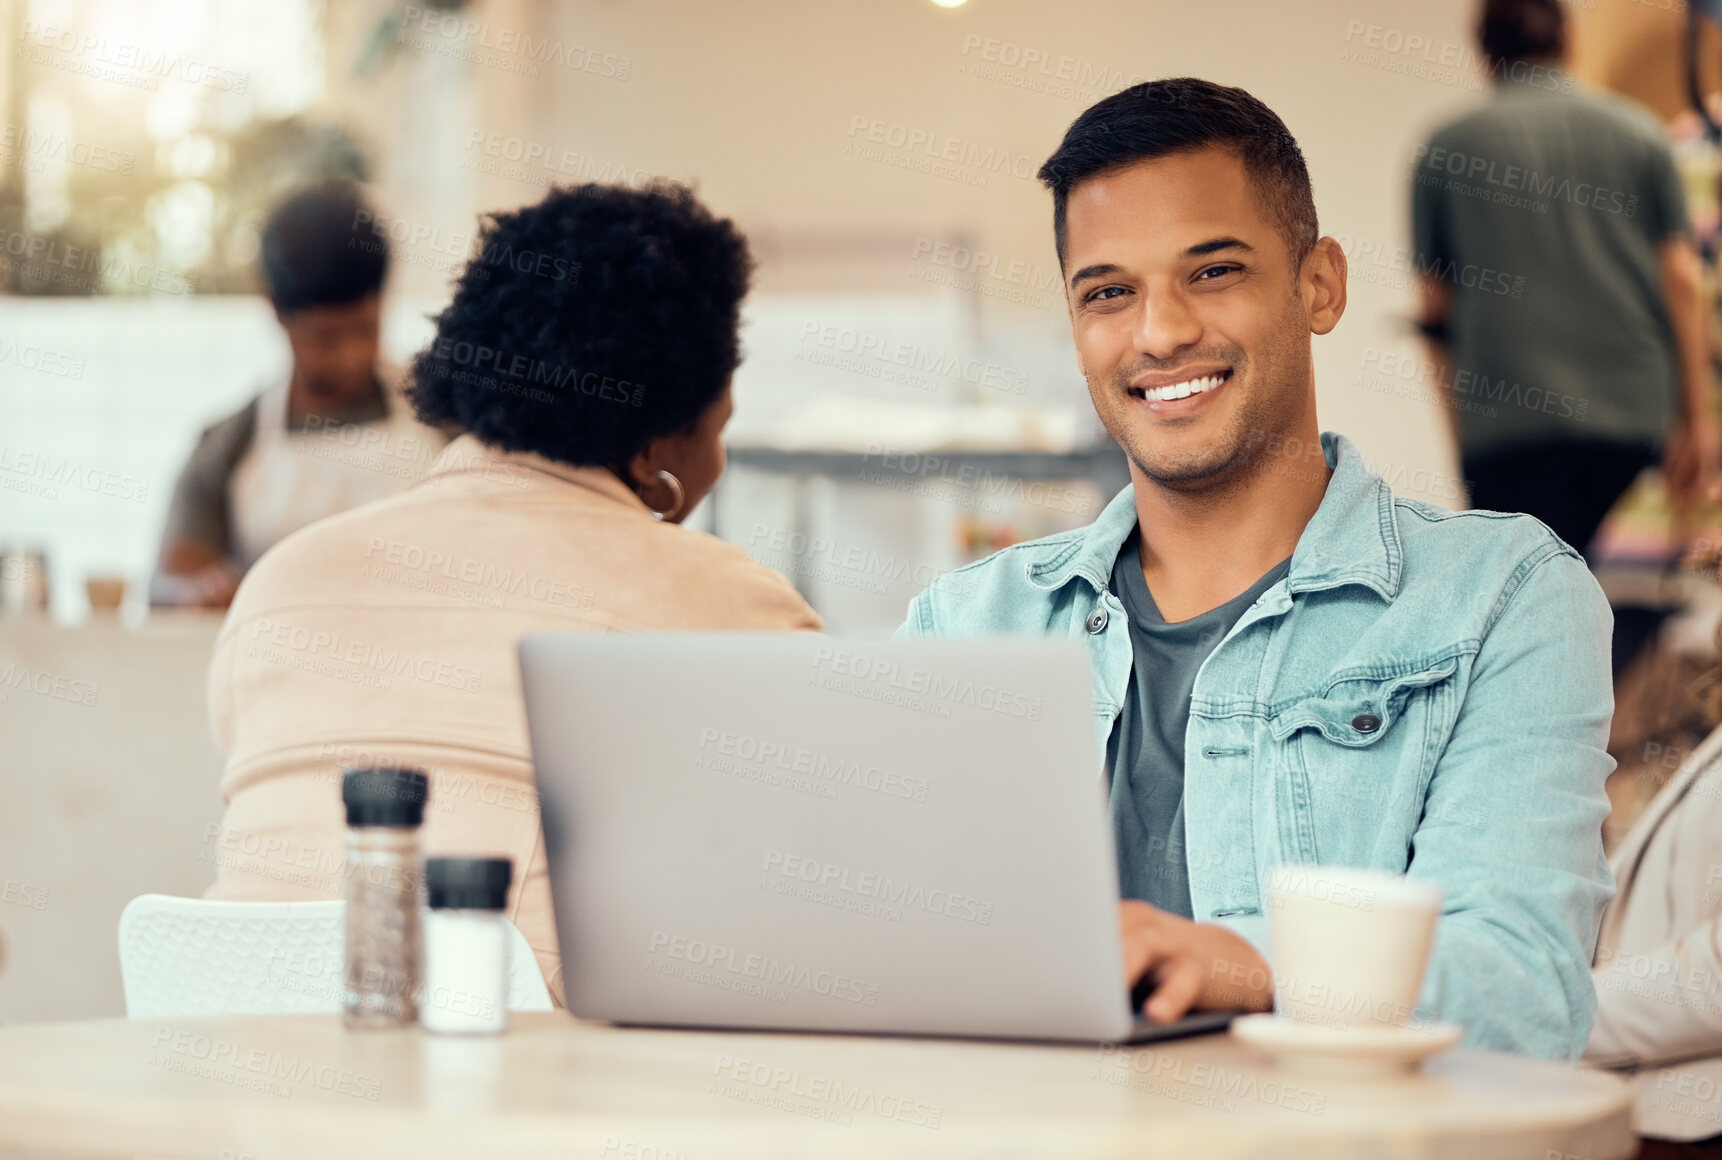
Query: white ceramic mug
[{"x": 1350, "y": 946}]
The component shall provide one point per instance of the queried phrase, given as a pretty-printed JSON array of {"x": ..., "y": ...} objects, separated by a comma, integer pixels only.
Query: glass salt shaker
[
  {"x": 385, "y": 808},
  {"x": 466, "y": 945}
]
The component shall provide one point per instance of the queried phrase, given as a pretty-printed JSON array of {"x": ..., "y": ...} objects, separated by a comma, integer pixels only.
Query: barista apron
[{"x": 287, "y": 480}]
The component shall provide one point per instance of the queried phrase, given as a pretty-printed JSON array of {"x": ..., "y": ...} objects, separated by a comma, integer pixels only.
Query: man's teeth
[{"x": 1184, "y": 389}]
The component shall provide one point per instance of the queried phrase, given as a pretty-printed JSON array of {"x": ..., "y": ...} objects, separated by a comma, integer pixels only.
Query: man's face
[
  {"x": 1191, "y": 326},
  {"x": 335, "y": 350}
]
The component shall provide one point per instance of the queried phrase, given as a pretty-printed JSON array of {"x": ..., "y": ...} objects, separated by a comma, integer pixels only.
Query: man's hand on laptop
[{"x": 1195, "y": 965}]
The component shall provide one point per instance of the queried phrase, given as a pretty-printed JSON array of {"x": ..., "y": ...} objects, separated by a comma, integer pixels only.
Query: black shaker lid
[
  {"x": 385, "y": 796},
  {"x": 468, "y": 883}
]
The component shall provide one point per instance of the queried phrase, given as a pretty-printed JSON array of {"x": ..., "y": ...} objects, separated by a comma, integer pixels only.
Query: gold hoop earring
[{"x": 675, "y": 486}]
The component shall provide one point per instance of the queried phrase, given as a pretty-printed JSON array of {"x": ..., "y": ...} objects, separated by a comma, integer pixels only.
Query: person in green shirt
[{"x": 1559, "y": 288}]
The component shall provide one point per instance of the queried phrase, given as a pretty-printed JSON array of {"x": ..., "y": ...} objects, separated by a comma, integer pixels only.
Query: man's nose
[{"x": 1168, "y": 326}]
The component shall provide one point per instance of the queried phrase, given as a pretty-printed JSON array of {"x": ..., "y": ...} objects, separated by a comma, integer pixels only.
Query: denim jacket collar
[{"x": 1353, "y": 537}]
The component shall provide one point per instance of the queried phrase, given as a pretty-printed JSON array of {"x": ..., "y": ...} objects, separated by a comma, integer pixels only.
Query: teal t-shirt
[{"x": 1145, "y": 753}]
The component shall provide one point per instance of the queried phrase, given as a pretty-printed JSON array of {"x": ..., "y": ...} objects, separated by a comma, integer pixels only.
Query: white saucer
[{"x": 1362, "y": 1049}]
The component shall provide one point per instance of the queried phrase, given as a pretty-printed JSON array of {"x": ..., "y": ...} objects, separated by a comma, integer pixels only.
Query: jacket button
[
  {"x": 1097, "y": 620},
  {"x": 1366, "y": 722}
]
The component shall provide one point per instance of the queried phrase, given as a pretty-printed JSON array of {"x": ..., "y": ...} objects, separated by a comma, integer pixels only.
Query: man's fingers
[
  {"x": 1140, "y": 953},
  {"x": 1178, "y": 989},
  {"x": 1137, "y": 924}
]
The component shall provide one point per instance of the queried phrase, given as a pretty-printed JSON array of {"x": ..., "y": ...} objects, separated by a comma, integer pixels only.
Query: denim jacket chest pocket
[{"x": 1357, "y": 757}]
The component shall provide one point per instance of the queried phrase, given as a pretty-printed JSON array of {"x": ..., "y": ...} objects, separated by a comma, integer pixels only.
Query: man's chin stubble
[
  {"x": 1190, "y": 480},
  {"x": 1210, "y": 477}
]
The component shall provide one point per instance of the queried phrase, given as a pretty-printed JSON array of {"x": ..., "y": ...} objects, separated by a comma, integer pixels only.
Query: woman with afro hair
[{"x": 585, "y": 361}]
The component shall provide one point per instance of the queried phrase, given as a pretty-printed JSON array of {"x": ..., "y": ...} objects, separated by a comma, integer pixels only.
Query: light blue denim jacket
[{"x": 1481, "y": 643}]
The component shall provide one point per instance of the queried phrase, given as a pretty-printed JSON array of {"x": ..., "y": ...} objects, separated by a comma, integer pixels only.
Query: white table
[{"x": 276, "y": 1087}]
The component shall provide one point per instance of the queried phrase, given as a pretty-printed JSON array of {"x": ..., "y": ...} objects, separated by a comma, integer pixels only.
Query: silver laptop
[{"x": 803, "y": 832}]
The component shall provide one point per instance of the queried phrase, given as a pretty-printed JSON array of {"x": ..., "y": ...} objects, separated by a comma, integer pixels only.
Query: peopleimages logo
[
  {"x": 420, "y": 23},
  {"x": 938, "y": 146},
  {"x": 454, "y": 245},
  {"x": 226, "y": 1061},
  {"x": 795, "y": 762},
  {"x": 113, "y": 59},
  {"x": 828, "y": 560},
  {"x": 1089, "y": 74},
  {"x": 921, "y": 474},
  {"x": 1364, "y": 253},
  {"x": 42, "y": 468},
  {"x": 524, "y": 370},
  {"x": 1323, "y": 888},
  {"x": 1176, "y": 1077},
  {"x": 1462, "y": 169},
  {"x": 914, "y": 679},
  {"x": 80, "y": 266},
  {"x": 916, "y": 361},
  {"x": 19, "y": 142},
  {"x": 46, "y": 684},
  {"x": 816, "y": 1096},
  {"x": 766, "y": 970},
  {"x": 799, "y": 869},
  {"x": 365, "y": 662}
]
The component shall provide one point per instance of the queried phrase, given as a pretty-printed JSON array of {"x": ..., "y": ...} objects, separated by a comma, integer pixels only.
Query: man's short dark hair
[
  {"x": 320, "y": 249},
  {"x": 1513, "y": 30},
  {"x": 1179, "y": 115},
  {"x": 589, "y": 324}
]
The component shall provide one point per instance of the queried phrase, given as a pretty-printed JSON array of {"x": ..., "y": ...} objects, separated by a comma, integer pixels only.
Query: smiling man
[{"x": 1291, "y": 664}]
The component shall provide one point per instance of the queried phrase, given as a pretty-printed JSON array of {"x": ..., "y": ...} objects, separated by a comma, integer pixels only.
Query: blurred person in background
[
  {"x": 1658, "y": 969},
  {"x": 1560, "y": 289},
  {"x": 327, "y": 437},
  {"x": 593, "y": 409}
]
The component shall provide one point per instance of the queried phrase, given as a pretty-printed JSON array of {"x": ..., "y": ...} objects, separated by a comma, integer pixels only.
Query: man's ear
[{"x": 1321, "y": 283}]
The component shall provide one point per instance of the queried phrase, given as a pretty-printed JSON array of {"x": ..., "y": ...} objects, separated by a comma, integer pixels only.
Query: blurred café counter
[{"x": 110, "y": 779}]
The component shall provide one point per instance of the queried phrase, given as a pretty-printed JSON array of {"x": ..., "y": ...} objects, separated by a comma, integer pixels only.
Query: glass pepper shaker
[{"x": 385, "y": 808}]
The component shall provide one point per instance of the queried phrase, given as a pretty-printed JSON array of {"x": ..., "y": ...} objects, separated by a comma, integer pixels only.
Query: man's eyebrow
[
  {"x": 1103, "y": 270},
  {"x": 1202, "y": 249}
]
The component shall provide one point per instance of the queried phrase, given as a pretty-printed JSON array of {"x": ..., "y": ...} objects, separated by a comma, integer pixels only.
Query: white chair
[{"x": 196, "y": 956}]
